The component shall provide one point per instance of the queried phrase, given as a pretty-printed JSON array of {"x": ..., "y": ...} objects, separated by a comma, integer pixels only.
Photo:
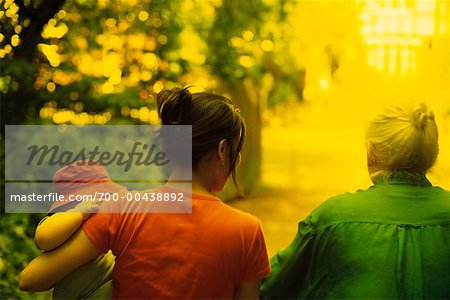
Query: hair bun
[
  {"x": 173, "y": 106},
  {"x": 421, "y": 115}
]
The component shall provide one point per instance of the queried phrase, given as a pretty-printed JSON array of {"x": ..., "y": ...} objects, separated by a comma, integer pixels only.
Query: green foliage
[
  {"x": 232, "y": 18},
  {"x": 17, "y": 248}
]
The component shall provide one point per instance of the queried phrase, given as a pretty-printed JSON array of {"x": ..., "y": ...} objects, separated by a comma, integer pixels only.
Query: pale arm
[
  {"x": 47, "y": 269},
  {"x": 57, "y": 228},
  {"x": 248, "y": 290}
]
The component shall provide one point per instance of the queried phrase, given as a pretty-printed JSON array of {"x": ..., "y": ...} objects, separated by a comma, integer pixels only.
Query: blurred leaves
[
  {"x": 17, "y": 248},
  {"x": 90, "y": 51}
]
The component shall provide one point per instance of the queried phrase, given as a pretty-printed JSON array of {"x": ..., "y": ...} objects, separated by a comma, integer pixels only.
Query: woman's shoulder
[
  {"x": 340, "y": 201},
  {"x": 389, "y": 204},
  {"x": 235, "y": 215},
  {"x": 216, "y": 208}
]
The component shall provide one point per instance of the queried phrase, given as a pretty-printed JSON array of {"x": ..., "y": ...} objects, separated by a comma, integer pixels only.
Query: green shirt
[{"x": 389, "y": 241}]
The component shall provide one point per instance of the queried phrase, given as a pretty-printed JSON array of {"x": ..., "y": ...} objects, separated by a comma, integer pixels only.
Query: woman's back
[
  {"x": 203, "y": 254},
  {"x": 390, "y": 241}
]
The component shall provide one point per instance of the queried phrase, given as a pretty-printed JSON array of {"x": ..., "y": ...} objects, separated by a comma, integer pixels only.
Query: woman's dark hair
[{"x": 213, "y": 118}]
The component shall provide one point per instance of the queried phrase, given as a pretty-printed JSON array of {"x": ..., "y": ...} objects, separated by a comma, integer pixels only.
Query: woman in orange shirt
[{"x": 214, "y": 252}]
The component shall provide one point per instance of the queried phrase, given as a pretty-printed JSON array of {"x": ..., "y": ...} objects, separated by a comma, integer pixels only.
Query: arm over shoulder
[{"x": 48, "y": 268}]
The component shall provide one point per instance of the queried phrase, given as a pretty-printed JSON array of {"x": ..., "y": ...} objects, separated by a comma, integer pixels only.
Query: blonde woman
[{"x": 389, "y": 241}]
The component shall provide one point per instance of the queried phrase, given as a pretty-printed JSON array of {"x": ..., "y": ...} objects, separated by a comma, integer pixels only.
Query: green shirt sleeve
[{"x": 291, "y": 265}]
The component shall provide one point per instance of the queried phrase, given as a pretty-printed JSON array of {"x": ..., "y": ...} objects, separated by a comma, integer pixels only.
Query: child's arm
[
  {"x": 56, "y": 229},
  {"x": 50, "y": 267}
]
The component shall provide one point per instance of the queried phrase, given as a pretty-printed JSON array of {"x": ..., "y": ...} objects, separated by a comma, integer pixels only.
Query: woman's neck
[{"x": 198, "y": 185}]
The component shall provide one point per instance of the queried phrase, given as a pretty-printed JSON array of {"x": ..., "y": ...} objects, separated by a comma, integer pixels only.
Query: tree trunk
[
  {"x": 246, "y": 96},
  {"x": 19, "y": 105}
]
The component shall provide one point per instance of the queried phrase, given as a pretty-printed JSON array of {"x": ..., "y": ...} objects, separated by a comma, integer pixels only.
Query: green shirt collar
[{"x": 403, "y": 178}]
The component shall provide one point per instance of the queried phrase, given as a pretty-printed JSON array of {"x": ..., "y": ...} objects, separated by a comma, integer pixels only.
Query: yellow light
[
  {"x": 150, "y": 44},
  {"x": 146, "y": 76},
  {"x": 246, "y": 61},
  {"x": 51, "y": 86},
  {"x": 61, "y": 14},
  {"x": 123, "y": 26},
  {"x": 324, "y": 84},
  {"x": 107, "y": 88},
  {"x": 158, "y": 86},
  {"x": 15, "y": 40},
  {"x": 52, "y": 22},
  {"x": 136, "y": 41},
  {"x": 64, "y": 116},
  {"x": 175, "y": 68},
  {"x": 110, "y": 22},
  {"x": 267, "y": 45},
  {"x": 143, "y": 15},
  {"x": 81, "y": 43},
  {"x": 13, "y": 8},
  {"x": 11, "y": 12},
  {"x": 7, "y": 4},
  {"x": 143, "y": 114},
  {"x": 380, "y": 58},
  {"x": 51, "y": 31},
  {"x": 392, "y": 56},
  {"x": 237, "y": 42},
  {"x": 405, "y": 58},
  {"x": 99, "y": 119},
  {"x": 50, "y": 52},
  {"x": 150, "y": 60},
  {"x": 192, "y": 46},
  {"x": 107, "y": 116},
  {"x": 47, "y": 112},
  {"x": 43, "y": 113},
  {"x": 81, "y": 119},
  {"x": 134, "y": 113},
  {"x": 110, "y": 64},
  {"x": 116, "y": 77},
  {"x": 153, "y": 117},
  {"x": 248, "y": 35},
  {"x": 56, "y": 118},
  {"x": 7, "y": 49}
]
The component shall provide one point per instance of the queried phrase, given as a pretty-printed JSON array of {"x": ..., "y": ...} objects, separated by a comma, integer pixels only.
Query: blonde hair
[{"x": 402, "y": 139}]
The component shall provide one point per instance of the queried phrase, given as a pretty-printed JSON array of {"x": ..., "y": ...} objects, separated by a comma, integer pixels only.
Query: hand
[{"x": 86, "y": 208}]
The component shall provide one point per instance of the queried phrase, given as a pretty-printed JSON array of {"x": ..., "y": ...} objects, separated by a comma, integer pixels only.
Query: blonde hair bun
[
  {"x": 402, "y": 139},
  {"x": 421, "y": 115}
]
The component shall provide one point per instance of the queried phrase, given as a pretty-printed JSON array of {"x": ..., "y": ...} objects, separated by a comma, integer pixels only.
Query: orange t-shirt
[{"x": 203, "y": 254}]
